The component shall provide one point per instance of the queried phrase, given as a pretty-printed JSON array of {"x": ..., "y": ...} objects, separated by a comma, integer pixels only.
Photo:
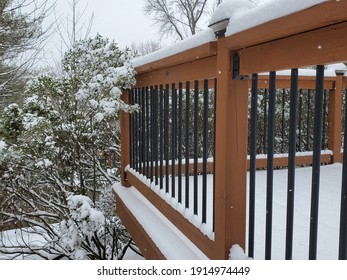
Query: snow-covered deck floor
[{"x": 329, "y": 210}]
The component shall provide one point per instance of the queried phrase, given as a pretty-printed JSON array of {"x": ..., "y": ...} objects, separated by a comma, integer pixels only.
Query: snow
[
  {"x": 2, "y": 148},
  {"x": 188, "y": 213},
  {"x": 189, "y": 43},
  {"x": 44, "y": 163},
  {"x": 298, "y": 154},
  {"x": 329, "y": 213},
  {"x": 242, "y": 15},
  {"x": 230, "y": 9},
  {"x": 330, "y": 71},
  {"x": 172, "y": 243},
  {"x": 237, "y": 253}
]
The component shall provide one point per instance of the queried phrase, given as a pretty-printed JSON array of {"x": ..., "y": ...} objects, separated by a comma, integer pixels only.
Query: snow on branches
[{"x": 65, "y": 153}]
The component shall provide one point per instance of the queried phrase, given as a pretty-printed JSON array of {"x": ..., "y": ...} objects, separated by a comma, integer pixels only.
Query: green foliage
[
  {"x": 65, "y": 142},
  {"x": 20, "y": 33}
]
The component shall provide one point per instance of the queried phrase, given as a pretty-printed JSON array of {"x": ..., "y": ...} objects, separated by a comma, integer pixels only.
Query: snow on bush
[
  {"x": 64, "y": 143},
  {"x": 2, "y": 149},
  {"x": 83, "y": 223}
]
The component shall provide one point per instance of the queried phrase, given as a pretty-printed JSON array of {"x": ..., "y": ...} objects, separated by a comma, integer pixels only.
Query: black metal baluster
[
  {"x": 252, "y": 168},
  {"x": 204, "y": 151},
  {"x": 318, "y": 116},
  {"x": 187, "y": 143},
  {"x": 300, "y": 122},
  {"x": 324, "y": 119},
  {"x": 148, "y": 136},
  {"x": 214, "y": 151},
  {"x": 131, "y": 125},
  {"x": 162, "y": 135},
  {"x": 166, "y": 144},
  {"x": 270, "y": 164},
  {"x": 179, "y": 175},
  {"x": 343, "y": 210},
  {"x": 155, "y": 133},
  {"x": 173, "y": 140},
  {"x": 265, "y": 121},
  {"x": 143, "y": 131},
  {"x": 308, "y": 121},
  {"x": 136, "y": 128},
  {"x": 196, "y": 130},
  {"x": 283, "y": 122},
  {"x": 151, "y": 140},
  {"x": 291, "y": 163}
]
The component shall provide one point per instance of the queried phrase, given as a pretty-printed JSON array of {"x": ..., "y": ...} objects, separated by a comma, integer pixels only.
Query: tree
[
  {"x": 62, "y": 154},
  {"x": 21, "y": 37},
  {"x": 180, "y": 18},
  {"x": 143, "y": 48},
  {"x": 176, "y": 17},
  {"x": 71, "y": 27}
]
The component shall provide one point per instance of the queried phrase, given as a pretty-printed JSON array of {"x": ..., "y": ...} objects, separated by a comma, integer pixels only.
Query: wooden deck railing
[{"x": 319, "y": 39}]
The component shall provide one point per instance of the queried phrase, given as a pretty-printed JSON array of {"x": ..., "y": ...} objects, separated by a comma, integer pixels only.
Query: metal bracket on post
[{"x": 236, "y": 69}]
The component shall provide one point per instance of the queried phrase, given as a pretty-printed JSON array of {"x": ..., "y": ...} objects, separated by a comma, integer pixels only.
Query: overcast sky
[{"x": 121, "y": 20}]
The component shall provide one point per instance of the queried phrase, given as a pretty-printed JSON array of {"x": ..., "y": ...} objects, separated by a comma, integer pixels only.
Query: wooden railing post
[
  {"x": 231, "y": 156},
  {"x": 335, "y": 120},
  {"x": 125, "y": 140}
]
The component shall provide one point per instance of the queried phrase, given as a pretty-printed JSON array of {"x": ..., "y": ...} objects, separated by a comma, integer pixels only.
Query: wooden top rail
[
  {"x": 267, "y": 47},
  {"x": 316, "y": 17},
  {"x": 305, "y": 82}
]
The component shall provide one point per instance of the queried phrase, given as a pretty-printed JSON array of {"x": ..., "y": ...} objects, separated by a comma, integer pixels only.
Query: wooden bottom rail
[
  {"x": 188, "y": 229},
  {"x": 282, "y": 162},
  {"x": 183, "y": 168},
  {"x": 279, "y": 162},
  {"x": 148, "y": 248}
]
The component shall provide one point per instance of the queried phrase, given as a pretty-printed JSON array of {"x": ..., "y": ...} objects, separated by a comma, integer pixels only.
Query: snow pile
[
  {"x": 84, "y": 221},
  {"x": 45, "y": 163},
  {"x": 330, "y": 71},
  {"x": 230, "y": 9},
  {"x": 244, "y": 14},
  {"x": 205, "y": 228},
  {"x": 237, "y": 253},
  {"x": 189, "y": 43},
  {"x": 2, "y": 146},
  {"x": 171, "y": 242}
]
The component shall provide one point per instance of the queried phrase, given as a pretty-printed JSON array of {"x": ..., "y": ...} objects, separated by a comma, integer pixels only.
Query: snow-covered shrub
[{"x": 65, "y": 139}]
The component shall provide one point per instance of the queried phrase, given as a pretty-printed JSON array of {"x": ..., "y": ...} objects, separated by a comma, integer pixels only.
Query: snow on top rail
[
  {"x": 189, "y": 43},
  {"x": 242, "y": 15},
  {"x": 330, "y": 71}
]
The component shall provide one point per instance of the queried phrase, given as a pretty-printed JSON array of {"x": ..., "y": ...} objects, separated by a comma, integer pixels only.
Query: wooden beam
[
  {"x": 200, "y": 52},
  {"x": 281, "y": 162},
  {"x": 335, "y": 119},
  {"x": 188, "y": 229},
  {"x": 321, "y": 15},
  {"x": 231, "y": 156},
  {"x": 305, "y": 82},
  {"x": 322, "y": 46},
  {"x": 125, "y": 140},
  {"x": 148, "y": 248},
  {"x": 197, "y": 69}
]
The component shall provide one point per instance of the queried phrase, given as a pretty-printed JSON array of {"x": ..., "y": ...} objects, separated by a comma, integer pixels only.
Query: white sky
[{"x": 121, "y": 20}]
